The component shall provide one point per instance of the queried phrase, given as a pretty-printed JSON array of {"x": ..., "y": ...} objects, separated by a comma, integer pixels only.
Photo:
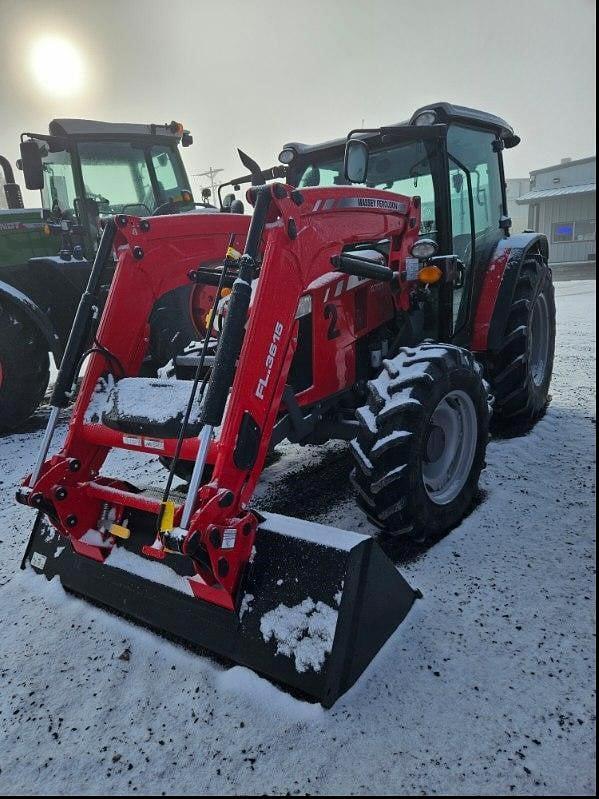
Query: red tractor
[{"x": 380, "y": 299}]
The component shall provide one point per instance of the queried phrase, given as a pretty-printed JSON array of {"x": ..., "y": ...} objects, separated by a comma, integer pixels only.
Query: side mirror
[
  {"x": 228, "y": 200},
  {"x": 356, "y": 161},
  {"x": 31, "y": 161},
  {"x": 458, "y": 182}
]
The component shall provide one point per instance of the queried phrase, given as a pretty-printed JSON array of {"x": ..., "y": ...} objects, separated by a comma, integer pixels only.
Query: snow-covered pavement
[{"x": 488, "y": 687}]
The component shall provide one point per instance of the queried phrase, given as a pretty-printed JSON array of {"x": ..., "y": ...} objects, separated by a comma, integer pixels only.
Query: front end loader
[
  {"x": 305, "y": 604},
  {"x": 339, "y": 311}
]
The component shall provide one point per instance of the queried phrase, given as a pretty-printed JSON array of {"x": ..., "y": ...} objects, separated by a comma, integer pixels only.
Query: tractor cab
[
  {"x": 89, "y": 170},
  {"x": 451, "y": 158},
  {"x": 86, "y": 172}
]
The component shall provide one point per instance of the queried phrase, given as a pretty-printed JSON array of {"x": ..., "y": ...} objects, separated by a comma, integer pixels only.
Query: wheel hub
[
  {"x": 450, "y": 447},
  {"x": 539, "y": 341},
  {"x": 436, "y": 444}
]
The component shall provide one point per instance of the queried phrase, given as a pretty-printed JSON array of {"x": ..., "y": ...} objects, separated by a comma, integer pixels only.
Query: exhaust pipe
[{"x": 12, "y": 190}]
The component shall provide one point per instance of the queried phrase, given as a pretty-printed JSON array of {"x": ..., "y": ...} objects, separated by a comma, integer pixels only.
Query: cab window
[
  {"x": 169, "y": 185},
  {"x": 58, "y": 194},
  {"x": 116, "y": 177},
  {"x": 403, "y": 169}
]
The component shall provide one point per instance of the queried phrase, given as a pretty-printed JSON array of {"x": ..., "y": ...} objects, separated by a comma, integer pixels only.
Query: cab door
[{"x": 477, "y": 198}]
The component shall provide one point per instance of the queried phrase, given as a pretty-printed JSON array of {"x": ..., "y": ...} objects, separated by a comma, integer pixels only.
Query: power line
[{"x": 210, "y": 174}]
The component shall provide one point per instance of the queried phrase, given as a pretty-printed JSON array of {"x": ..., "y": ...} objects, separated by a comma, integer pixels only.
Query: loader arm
[
  {"x": 290, "y": 244},
  {"x": 300, "y": 234}
]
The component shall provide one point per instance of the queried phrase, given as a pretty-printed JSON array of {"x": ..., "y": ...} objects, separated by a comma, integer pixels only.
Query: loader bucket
[{"x": 316, "y": 606}]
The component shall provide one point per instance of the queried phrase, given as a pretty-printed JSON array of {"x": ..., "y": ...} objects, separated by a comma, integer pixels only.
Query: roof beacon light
[{"x": 176, "y": 128}]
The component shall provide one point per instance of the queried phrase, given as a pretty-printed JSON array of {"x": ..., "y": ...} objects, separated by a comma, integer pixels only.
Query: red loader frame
[{"x": 293, "y": 239}]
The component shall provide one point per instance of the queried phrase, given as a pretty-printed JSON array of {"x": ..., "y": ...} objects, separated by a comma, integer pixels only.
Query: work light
[
  {"x": 426, "y": 118},
  {"x": 287, "y": 155},
  {"x": 424, "y": 249}
]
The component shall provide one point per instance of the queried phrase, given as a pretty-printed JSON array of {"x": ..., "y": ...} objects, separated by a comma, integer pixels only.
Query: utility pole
[{"x": 210, "y": 174}]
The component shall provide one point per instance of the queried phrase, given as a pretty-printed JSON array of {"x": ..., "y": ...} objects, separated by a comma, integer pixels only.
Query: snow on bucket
[{"x": 324, "y": 602}]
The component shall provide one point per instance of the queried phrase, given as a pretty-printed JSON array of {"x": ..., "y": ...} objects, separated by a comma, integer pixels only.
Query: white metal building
[
  {"x": 515, "y": 188},
  {"x": 562, "y": 205}
]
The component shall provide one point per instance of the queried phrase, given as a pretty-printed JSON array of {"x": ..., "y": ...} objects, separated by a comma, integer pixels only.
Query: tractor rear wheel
[
  {"x": 24, "y": 368},
  {"x": 422, "y": 442},
  {"x": 520, "y": 372}
]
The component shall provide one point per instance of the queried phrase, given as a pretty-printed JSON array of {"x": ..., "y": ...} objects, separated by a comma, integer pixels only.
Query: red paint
[
  {"x": 488, "y": 299},
  {"x": 290, "y": 269}
]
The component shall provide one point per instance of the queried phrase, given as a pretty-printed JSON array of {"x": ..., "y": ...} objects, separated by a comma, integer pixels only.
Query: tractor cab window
[
  {"x": 403, "y": 169},
  {"x": 122, "y": 177},
  {"x": 476, "y": 196},
  {"x": 168, "y": 181},
  {"x": 116, "y": 177},
  {"x": 58, "y": 194}
]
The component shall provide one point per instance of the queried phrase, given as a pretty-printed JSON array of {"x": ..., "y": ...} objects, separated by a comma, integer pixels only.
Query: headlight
[
  {"x": 424, "y": 249},
  {"x": 286, "y": 156},
  {"x": 426, "y": 118}
]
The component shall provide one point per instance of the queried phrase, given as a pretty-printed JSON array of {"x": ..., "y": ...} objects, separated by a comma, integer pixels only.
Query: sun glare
[{"x": 57, "y": 66}]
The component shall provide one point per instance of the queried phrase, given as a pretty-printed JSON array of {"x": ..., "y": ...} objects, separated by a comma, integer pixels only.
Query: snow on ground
[{"x": 487, "y": 687}]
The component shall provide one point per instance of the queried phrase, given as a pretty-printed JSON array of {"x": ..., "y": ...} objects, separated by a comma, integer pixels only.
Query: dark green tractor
[{"x": 85, "y": 171}]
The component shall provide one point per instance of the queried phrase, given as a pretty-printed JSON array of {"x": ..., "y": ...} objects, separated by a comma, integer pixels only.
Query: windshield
[
  {"x": 403, "y": 169},
  {"x": 119, "y": 177}
]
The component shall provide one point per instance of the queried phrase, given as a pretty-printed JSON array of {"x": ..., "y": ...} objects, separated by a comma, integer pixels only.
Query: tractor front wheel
[
  {"x": 422, "y": 442},
  {"x": 520, "y": 372},
  {"x": 24, "y": 368}
]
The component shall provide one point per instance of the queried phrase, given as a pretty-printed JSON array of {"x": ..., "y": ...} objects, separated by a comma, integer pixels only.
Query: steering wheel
[
  {"x": 174, "y": 207},
  {"x": 137, "y": 205}
]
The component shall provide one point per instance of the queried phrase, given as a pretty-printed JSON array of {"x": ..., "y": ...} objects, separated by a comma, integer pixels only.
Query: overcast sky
[{"x": 258, "y": 74}]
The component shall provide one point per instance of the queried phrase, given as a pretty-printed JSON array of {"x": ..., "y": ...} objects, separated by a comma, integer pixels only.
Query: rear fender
[
  {"x": 21, "y": 302},
  {"x": 499, "y": 285}
]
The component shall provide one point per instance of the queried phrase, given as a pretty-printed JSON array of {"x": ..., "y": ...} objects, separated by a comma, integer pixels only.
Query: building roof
[
  {"x": 549, "y": 194},
  {"x": 564, "y": 165}
]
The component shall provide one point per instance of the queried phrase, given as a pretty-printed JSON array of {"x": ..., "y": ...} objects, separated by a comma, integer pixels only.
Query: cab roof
[
  {"x": 91, "y": 128},
  {"x": 446, "y": 114}
]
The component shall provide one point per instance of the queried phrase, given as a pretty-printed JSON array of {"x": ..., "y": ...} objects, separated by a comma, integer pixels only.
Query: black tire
[
  {"x": 24, "y": 368},
  {"x": 394, "y": 443},
  {"x": 521, "y": 392}
]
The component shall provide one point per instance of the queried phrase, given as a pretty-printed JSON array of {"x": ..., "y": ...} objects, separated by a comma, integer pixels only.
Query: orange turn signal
[{"x": 430, "y": 274}]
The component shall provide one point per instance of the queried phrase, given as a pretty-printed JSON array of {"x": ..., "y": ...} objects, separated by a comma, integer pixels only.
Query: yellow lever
[{"x": 118, "y": 531}]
